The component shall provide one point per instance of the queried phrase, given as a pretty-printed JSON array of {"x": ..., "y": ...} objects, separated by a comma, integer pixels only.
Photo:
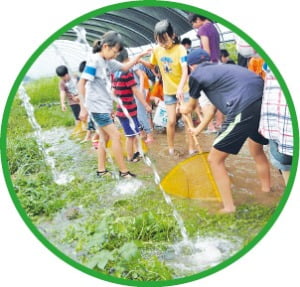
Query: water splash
[
  {"x": 58, "y": 177},
  {"x": 128, "y": 187},
  {"x": 200, "y": 254}
]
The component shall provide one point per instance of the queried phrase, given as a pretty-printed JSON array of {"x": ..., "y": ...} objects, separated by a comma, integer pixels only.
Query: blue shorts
[
  {"x": 279, "y": 160},
  {"x": 129, "y": 132},
  {"x": 102, "y": 120},
  {"x": 171, "y": 99}
]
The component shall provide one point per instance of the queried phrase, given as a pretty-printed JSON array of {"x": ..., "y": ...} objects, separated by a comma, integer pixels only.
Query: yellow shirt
[{"x": 170, "y": 63}]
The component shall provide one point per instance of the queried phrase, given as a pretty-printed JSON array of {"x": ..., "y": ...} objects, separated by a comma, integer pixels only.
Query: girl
[
  {"x": 170, "y": 57},
  {"x": 95, "y": 88}
]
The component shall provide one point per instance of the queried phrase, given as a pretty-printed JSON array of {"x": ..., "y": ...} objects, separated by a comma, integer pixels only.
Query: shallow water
[
  {"x": 187, "y": 257},
  {"x": 199, "y": 254}
]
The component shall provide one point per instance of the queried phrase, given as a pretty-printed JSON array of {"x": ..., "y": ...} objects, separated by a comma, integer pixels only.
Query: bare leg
[
  {"x": 219, "y": 119},
  {"x": 171, "y": 111},
  {"x": 115, "y": 137},
  {"x": 130, "y": 141},
  {"x": 286, "y": 175},
  {"x": 262, "y": 165},
  {"x": 188, "y": 121},
  {"x": 103, "y": 136},
  {"x": 217, "y": 159}
]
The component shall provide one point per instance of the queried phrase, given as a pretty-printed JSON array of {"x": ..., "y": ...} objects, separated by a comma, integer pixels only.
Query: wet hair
[
  {"x": 224, "y": 53},
  {"x": 186, "y": 41},
  {"x": 110, "y": 38},
  {"x": 81, "y": 66},
  {"x": 61, "y": 71},
  {"x": 123, "y": 56},
  {"x": 193, "y": 17},
  {"x": 162, "y": 28}
]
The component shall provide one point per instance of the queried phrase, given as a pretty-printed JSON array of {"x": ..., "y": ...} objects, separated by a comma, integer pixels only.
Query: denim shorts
[
  {"x": 171, "y": 99},
  {"x": 277, "y": 159},
  {"x": 102, "y": 120}
]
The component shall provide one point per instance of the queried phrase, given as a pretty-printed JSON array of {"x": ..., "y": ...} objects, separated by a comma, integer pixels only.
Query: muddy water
[{"x": 241, "y": 168}]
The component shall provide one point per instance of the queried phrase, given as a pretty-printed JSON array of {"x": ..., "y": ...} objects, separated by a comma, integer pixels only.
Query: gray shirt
[
  {"x": 98, "y": 87},
  {"x": 230, "y": 88}
]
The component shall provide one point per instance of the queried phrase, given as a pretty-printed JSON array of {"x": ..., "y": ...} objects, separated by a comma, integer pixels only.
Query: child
[
  {"x": 125, "y": 87},
  {"x": 236, "y": 92},
  {"x": 90, "y": 124},
  {"x": 276, "y": 125},
  {"x": 170, "y": 56},
  {"x": 142, "y": 81},
  {"x": 95, "y": 90},
  {"x": 68, "y": 92}
]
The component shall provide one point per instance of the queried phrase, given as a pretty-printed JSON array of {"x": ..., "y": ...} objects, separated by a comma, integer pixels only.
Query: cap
[{"x": 197, "y": 56}]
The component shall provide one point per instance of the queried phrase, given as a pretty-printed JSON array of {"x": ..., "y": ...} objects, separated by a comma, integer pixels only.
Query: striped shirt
[
  {"x": 275, "y": 122},
  {"x": 122, "y": 85}
]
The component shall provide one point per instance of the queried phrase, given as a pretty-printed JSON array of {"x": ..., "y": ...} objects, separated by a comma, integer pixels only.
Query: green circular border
[{"x": 130, "y": 4}]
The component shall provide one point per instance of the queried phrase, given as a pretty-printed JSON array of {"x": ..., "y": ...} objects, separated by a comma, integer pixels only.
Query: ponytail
[{"x": 110, "y": 38}]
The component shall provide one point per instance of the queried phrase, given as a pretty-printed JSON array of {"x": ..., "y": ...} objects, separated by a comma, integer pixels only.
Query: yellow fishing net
[{"x": 192, "y": 178}]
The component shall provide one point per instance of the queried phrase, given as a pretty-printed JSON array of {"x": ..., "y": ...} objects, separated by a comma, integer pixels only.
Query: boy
[
  {"x": 237, "y": 93},
  {"x": 68, "y": 92},
  {"x": 125, "y": 88}
]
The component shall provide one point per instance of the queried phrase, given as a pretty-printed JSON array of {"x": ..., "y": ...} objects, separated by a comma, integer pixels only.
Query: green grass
[{"x": 116, "y": 236}]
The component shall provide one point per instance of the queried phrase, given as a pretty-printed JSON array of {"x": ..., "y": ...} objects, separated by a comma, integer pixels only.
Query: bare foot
[{"x": 227, "y": 210}]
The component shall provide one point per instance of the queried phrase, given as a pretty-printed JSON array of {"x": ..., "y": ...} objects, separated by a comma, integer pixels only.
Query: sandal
[
  {"x": 126, "y": 174},
  {"x": 103, "y": 173},
  {"x": 134, "y": 159}
]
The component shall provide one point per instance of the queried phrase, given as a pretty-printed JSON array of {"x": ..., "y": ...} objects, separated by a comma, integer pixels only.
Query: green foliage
[
  {"x": 231, "y": 48},
  {"x": 38, "y": 194},
  {"x": 52, "y": 116},
  {"x": 44, "y": 90}
]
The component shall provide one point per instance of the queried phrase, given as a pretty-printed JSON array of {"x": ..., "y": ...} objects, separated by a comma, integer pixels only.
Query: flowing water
[{"x": 58, "y": 177}]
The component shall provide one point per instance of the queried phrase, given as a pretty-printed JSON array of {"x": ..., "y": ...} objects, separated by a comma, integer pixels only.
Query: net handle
[{"x": 190, "y": 125}]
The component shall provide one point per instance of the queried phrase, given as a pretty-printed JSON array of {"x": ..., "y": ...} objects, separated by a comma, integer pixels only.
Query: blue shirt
[{"x": 230, "y": 88}]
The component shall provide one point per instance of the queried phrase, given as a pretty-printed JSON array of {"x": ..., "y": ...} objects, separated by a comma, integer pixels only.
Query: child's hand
[
  {"x": 193, "y": 131},
  {"x": 180, "y": 95},
  {"x": 83, "y": 115},
  {"x": 184, "y": 109},
  {"x": 148, "y": 108},
  {"x": 63, "y": 107},
  {"x": 76, "y": 99}
]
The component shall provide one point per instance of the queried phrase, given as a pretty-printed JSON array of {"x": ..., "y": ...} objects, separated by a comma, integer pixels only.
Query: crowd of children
[{"x": 215, "y": 88}]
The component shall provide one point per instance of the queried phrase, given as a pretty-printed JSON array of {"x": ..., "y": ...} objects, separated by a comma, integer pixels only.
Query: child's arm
[
  {"x": 141, "y": 77},
  {"x": 134, "y": 61},
  {"x": 208, "y": 115},
  {"x": 62, "y": 96},
  {"x": 141, "y": 98},
  {"x": 147, "y": 64},
  {"x": 81, "y": 89},
  {"x": 184, "y": 77}
]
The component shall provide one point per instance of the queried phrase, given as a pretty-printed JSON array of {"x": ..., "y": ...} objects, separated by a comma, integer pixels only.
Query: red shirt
[{"x": 122, "y": 84}]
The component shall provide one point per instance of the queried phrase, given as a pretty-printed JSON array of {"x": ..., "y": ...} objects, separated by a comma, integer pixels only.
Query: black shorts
[
  {"x": 235, "y": 131},
  {"x": 76, "y": 110}
]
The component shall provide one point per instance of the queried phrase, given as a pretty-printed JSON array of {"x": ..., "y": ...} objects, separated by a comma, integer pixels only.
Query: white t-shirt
[{"x": 98, "y": 87}]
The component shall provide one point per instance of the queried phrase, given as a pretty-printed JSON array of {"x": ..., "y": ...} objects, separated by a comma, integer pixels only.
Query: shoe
[
  {"x": 193, "y": 152},
  {"x": 103, "y": 173},
  {"x": 95, "y": 144},
  {"x": 126, "y": 174},
  {"x": 135, "y": 158}
]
